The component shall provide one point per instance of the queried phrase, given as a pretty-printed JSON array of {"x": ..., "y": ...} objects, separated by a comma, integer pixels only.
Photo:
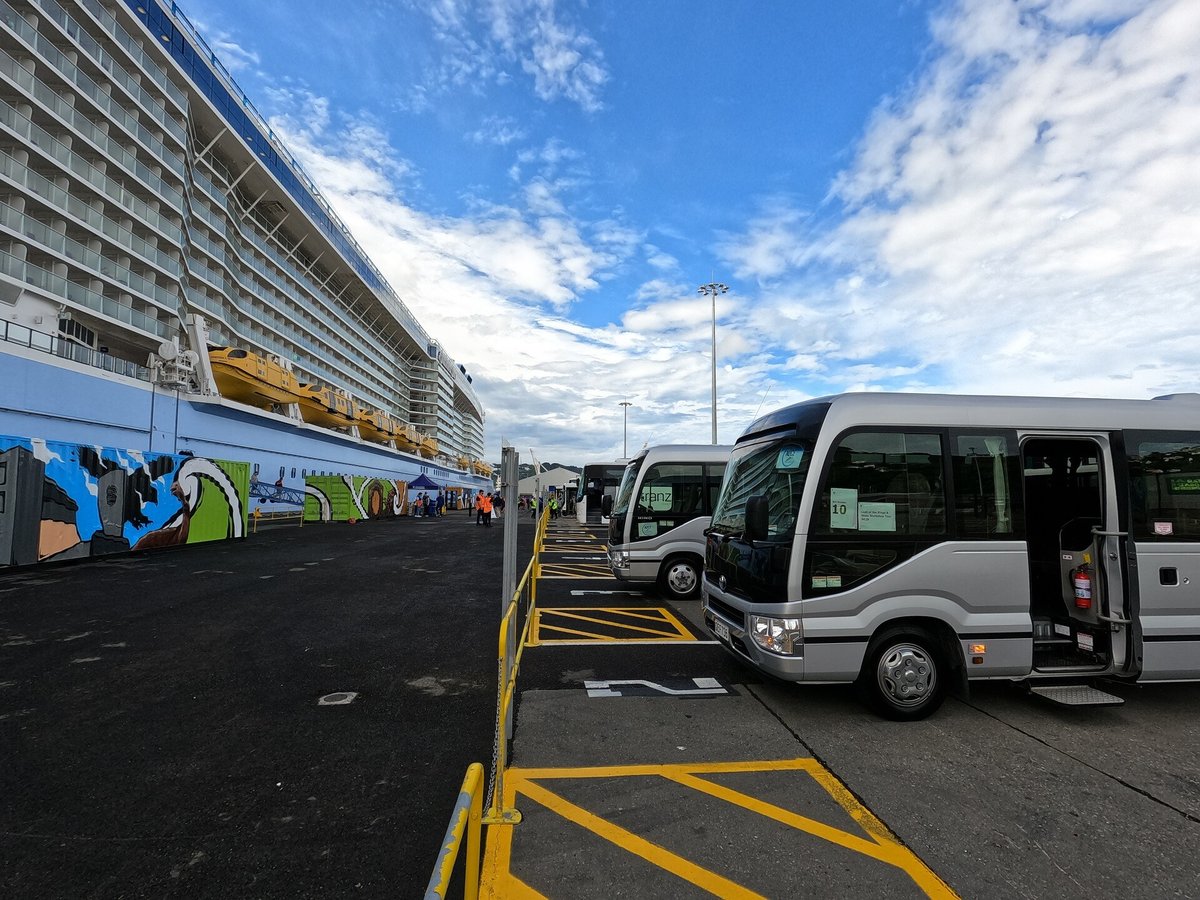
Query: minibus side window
[
  {"x": 1164, "y": 485},
  {"x": 986, "y": 484},
  {"x": 883, "y": 484}
]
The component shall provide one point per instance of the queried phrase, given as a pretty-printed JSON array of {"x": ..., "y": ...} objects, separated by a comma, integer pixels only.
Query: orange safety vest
[{"x": 485, "y": 503}]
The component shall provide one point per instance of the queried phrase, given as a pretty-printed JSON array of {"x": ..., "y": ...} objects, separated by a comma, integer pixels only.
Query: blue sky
[{"x": 961, "y": 195}]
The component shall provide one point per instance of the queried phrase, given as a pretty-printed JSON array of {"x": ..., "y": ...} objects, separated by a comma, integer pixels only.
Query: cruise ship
[{"x": 171, "y": 281}]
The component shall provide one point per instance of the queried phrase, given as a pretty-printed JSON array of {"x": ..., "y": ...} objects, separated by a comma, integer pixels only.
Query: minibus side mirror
[
  {"x": 606, "y": 505},
  {"x": 756, "y": 518}
]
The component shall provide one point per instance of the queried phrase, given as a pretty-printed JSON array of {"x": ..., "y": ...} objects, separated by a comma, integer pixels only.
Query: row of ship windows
[
  {"x": 174, "y": 195},
  {"x": 169, "y": 300},
  {"x": 185, "y": 54},
  {"x": 204, "y": 212}
]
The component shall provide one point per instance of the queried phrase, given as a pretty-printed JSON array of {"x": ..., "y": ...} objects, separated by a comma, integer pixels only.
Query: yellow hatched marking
[
  {"x": 577, "y": 570},
  {"x": 676, "y": 629},
  {"x": 627, "y": 840},
  {"x": 883, "y": 846}
]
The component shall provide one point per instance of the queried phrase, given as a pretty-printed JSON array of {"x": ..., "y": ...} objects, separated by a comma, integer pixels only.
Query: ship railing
[{"x": 24, "y": 336}]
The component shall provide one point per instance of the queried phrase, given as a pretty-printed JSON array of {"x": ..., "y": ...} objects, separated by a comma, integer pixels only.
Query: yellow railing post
[{"x": 466, "y": 817}]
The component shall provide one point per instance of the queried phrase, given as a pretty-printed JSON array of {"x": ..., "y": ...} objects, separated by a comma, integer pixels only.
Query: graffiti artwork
[
  {"x": 338, "y": 498},
  {"x": 63, "y": 501}
]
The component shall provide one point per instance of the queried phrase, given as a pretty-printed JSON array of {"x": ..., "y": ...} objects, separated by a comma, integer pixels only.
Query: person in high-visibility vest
[{"x": 485, "y": 506}]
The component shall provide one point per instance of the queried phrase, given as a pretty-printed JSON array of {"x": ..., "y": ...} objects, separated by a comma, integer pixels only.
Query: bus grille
[{"x": 727, "y": 612}]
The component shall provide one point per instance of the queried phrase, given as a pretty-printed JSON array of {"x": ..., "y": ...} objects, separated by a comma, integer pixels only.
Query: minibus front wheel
[
  {"x": 680, "y": 577},
  {"x": 904, "y": 675}
]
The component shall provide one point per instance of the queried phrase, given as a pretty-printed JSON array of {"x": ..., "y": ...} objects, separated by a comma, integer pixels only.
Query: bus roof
[
  {"x": 1173, "y": 411},
  {"x": 696, "y": 452}
]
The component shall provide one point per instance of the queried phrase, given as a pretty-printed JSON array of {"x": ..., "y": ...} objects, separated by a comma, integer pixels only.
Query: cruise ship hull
[{"x": 57, "y": 400}]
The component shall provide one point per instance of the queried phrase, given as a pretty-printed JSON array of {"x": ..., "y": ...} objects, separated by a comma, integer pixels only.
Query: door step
[{"x": 1075, "y": 695}]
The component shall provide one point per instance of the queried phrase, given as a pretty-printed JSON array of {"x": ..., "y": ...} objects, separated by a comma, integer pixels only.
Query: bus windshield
[
  {"x": 625, "y": 491},
  {"x": 777, "y": 471}
]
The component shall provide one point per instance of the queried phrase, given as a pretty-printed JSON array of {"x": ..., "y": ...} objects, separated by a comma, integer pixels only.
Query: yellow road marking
[
  {"x": 627, "y": 840},
  {"x": 883, "y": 846},
  {"x": 576, "y": 570},
  {"x": 674, "y": 629}
]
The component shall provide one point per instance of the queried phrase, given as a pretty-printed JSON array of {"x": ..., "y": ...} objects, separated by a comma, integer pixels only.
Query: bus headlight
[
  {"x": 777, "y": 635},
  {"x": 619, "y": 559}
]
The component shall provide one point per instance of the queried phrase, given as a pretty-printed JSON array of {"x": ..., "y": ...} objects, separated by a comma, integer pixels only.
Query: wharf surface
[
  {"x": 160, "y": 726},
  {"x": 161, "y": 736}
]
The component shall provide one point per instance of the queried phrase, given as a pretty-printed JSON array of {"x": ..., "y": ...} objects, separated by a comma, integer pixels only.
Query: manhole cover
[{"x": 341, "y": 698}]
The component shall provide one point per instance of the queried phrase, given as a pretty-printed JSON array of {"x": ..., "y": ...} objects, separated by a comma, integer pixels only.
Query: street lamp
[
  {"x": 625, "y": 430},
  {"x": 712, "y": 289}
]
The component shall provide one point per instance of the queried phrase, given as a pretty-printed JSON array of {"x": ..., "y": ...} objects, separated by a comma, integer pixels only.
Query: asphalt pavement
[{"x": 161, "y": 726}]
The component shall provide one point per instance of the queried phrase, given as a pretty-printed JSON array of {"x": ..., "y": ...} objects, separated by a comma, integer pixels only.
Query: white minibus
[
  {"x": 912, "y": 543},
  {"x": 657, "y": 521},
  {"x": 598, "y": 480}
]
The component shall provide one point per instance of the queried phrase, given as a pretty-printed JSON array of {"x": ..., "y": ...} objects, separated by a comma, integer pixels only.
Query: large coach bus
[
  {"x": 663, "y": 504},
  {"x": 597, "y": 481},
  {"x": 911, "y": 543}
]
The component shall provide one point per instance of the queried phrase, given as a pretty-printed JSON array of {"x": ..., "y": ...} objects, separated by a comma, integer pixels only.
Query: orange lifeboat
[
  {"x": 321, "y": 405},
  {"x": 251, "y": 378},
  {"x": 407, "y": 438},
  {"x": 375, "y": 425}
]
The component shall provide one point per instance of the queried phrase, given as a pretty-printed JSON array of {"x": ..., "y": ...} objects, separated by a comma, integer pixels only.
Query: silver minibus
[
  {"x": 912, "y": 543},
  {"x": 657, "y": 521}
]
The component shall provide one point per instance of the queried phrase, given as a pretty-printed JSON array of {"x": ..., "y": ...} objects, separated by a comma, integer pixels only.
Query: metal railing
[
  {"x": 465, "y": 821},
  {"x": 520, "y": 615},
  {"x": 24, "y": 336}
]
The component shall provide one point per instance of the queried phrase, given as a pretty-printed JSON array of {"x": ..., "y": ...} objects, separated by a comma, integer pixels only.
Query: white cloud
[
  {"x": 478, "y": 42},
  {"x": 499, "y": 130},
  {"x": 1022, "y": 221}
]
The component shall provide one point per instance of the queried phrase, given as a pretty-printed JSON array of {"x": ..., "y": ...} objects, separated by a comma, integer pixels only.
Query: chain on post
[{"x": 491, "y": 788}]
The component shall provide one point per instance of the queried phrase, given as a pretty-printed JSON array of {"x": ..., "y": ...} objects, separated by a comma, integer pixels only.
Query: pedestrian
[
  {"x": 417, "y": 507},
  {"x": 533, "y": 505},
  {"x": 479, "y": 507},
  {"x": 497, "y": 505},
  {"x": 486, "y": 506},
  {"x": 441, "y": 504}
]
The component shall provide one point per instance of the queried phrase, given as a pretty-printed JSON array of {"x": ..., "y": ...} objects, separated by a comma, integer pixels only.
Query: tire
[
  {"x": 680, "y": 577},
  {"x": 904, "y": 676}
]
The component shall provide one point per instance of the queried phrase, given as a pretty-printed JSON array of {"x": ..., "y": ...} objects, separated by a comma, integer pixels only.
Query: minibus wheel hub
[{"x": 906, "y": 674}]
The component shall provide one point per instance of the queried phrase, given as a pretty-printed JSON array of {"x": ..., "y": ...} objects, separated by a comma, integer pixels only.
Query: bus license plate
[{"x": 721, "y": 629}]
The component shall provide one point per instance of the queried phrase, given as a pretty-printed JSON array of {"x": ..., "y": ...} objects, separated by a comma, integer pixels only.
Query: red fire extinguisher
[{"x": 1083, "y": 588}]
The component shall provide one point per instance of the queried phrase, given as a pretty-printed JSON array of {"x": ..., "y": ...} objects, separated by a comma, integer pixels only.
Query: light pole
[
  {"x": 625, "y": 430},
  {"x": 712, "y": 289}
]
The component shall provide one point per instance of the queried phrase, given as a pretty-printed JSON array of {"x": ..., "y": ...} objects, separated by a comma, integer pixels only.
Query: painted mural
[
  {"x": 62, "y": 501},
  {"x": 339, "y": 498}
]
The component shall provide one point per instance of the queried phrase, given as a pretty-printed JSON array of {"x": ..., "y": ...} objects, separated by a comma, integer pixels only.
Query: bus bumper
[
  {"x": 728, "y": 619},
  {"x": 629, "y": 569}
]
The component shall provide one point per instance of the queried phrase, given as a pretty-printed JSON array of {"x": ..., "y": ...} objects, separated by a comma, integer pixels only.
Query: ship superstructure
[{"x": 148, "y": 214}]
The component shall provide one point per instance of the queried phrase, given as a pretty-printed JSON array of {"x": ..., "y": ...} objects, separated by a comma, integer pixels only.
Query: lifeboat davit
[
  {"x": 321, "y": 405},
  {"x": 251, "y": 378}
]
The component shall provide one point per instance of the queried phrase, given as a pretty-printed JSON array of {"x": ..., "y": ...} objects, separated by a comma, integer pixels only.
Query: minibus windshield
[
  {"x": 625, "y": 490},
  {"x": 777, "y": 471}
]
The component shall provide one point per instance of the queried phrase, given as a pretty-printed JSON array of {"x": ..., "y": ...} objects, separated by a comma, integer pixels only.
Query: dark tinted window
[
  {"x": 1164, "y": 485},
  {"x": 986, "y": 484},
  {"x": 883, "y": 483}
]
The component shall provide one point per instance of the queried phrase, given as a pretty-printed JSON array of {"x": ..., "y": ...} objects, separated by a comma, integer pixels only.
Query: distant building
[{"x": 562, "y": 479}]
